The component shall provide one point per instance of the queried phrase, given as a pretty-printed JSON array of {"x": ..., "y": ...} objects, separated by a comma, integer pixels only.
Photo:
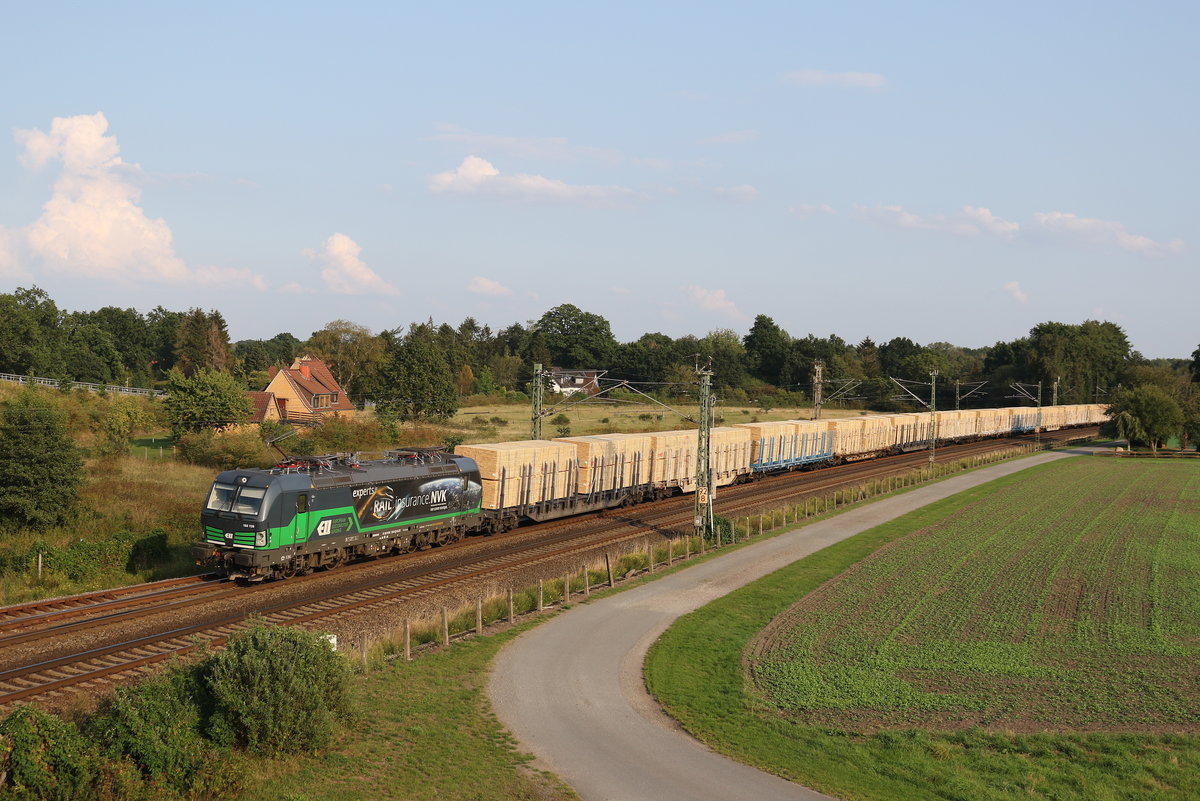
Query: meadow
[{"x": 1036, "y": 637}]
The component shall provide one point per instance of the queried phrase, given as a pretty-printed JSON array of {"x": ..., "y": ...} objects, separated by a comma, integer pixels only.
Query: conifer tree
[{"x": 41, "y": 470}]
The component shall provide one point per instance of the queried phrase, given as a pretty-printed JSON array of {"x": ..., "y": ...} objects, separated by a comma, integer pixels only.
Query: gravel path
[{"x": 571, "y": 690}]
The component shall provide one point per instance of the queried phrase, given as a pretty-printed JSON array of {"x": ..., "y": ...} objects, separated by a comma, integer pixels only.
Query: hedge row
[{"x": 182, "y": 734}]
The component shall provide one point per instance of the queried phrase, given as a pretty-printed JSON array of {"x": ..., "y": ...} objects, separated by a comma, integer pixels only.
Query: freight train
[{"x": 316, "y": 513}]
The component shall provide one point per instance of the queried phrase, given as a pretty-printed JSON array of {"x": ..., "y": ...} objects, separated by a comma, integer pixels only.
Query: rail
[{"x": 67, "y": 383}]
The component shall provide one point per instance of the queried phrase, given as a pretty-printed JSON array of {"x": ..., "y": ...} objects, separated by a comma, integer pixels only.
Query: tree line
[{"x": 424, "y": 369}]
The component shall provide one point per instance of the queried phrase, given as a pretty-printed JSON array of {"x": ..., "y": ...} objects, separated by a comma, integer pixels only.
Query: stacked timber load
[
  {"x": 518, "y": 473},
  {"x": 674, "y": 459},
  {"x": 955, "y": 424},
  {"x": 813, "y": 439},
  {"x": 848, "y": 435},
  {"x": 729, "y": 453},
  {"x": 610, "y": 461},
  {"x": 770, "y": 442},
  {"x": 994, "y": 422}
]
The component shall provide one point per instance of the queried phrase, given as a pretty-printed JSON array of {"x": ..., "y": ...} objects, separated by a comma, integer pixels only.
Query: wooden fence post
[
  {"x": 479, "y": 615},
  {"x": 649, "y": 557},
  {"x": 407, "y": 640},
  {"x": 364, "y": 646},
  {"x": 687, "y": 547},
  {"x": 760, "y": 524},
  {"x": 540, "y": 603},
  {"x": 587, "y": 590},
  {"x": 566, "y": 588},
  {"x": 608, "y": 566},
  {"x": 511, "y": 617},
  {"x": 445, "y": 626}
]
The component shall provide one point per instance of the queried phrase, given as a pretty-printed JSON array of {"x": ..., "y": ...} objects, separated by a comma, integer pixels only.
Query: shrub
[
  {"x": 276, "y": 689},
  {"x": 480, "y": 422},
  {"x": 48, "y": 757},
  {"x": 499, "y": 421},
  {"x": 560, "y": 419},
  {"x": 225, "y": 450},
  {"x": 157, "y": 724}
]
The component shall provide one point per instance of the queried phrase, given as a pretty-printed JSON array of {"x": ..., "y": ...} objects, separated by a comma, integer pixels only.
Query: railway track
[{"x": 541, "y": 545}]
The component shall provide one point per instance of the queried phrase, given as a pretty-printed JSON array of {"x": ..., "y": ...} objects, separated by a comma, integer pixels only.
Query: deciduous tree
[
  {"x": 205, "y": 400},
  {"x": 352, "y": 352},
  {"x": 575, "y": 338},
  {"x": 1148, "y": 414}
]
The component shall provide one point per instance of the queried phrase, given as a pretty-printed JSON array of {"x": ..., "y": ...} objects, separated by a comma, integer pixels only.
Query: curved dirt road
[{"x": 571, "y": 690}]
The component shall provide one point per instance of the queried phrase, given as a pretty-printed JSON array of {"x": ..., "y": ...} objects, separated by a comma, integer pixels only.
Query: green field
[{"x": 1037, "y": 637}]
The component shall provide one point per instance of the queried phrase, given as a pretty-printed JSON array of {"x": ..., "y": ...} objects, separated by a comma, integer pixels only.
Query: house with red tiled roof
[
  {"x": 266, "y": 408},
  {"x": 307, "y": 391}
]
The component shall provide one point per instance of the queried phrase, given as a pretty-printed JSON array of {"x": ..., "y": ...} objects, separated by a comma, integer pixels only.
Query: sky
[{"x": 947, "y": 171}]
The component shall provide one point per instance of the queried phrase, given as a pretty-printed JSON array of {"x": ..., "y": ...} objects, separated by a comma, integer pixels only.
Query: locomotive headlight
[{"x": 260, "y": 539}]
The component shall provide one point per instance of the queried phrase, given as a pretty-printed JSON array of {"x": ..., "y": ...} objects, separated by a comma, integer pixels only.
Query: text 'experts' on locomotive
[{"x": 317, "y": 513}]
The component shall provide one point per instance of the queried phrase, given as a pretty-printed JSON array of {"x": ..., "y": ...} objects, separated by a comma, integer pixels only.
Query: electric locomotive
[{"x": 318, "y": 512}]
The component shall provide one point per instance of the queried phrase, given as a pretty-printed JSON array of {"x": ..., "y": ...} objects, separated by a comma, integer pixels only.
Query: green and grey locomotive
[{"x": 317, "y": 513}]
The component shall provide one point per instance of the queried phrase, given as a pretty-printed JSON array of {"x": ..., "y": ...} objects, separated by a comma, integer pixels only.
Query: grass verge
[
  {"x": 696, "y": 670},
  {"x": 424, "y": 731}
]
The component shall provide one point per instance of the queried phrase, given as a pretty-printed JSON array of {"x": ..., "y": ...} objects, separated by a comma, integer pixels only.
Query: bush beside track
[
  {"x": 697, "y": 670},
  {"x": 185, "y": 733}
]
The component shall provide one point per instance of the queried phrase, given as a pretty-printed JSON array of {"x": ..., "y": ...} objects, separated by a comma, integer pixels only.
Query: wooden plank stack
[
  {"x": 610, "y": 461},
  {"x": 770, "y": 442},
  {"x": 674, "y": 459},
  {"x": 729, "y": 453},
  {"x": 532, "y": 470}
]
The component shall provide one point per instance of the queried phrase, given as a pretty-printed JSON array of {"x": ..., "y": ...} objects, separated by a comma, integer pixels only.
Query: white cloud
[
  {"x": 869, "y": 80},
  {"x": 553, "y": 147},
  {"x": 1014, "y": 288},
  {"x": 737, "y": 194},
  {"x": 713, "y": 300},
  {"x": 990, "y": 223},
  {"x": 10, "y": 266},
  {"x": 476, "y": 176},
  {"x": 486, "y": 286},
  {"x": 1071, "y": 228},
  {"x": 344, "y": 272},
  {"x": 971, "y": 221},
  {"x": 1102, "y": 232},
  {"x": 810, "y": 209},
  {"x": 730, "y": 138},
  {"x": 92, "y": 224}
]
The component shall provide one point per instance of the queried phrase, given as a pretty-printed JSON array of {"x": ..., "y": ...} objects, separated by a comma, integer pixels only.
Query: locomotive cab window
[
  {"x": 240, "y": 500},
  {"x": 301, "y": 503}
]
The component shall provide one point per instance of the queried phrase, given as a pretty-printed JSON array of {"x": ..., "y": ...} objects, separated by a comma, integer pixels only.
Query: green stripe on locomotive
[
  {"x": 263, "y": 510},
  {"x": 342, "y": 521}
]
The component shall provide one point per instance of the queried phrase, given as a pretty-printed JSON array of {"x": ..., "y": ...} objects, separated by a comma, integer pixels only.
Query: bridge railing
[{"x": 54, "y": 382}]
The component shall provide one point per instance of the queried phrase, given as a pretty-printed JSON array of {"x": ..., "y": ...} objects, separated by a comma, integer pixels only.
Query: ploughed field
[{"x": 1067, "y": 600}]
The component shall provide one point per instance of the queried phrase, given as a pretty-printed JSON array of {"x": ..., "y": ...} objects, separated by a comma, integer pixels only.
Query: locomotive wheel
[
  {"x": 339, "y": 559},
  {"x": 288, "y": 570}
]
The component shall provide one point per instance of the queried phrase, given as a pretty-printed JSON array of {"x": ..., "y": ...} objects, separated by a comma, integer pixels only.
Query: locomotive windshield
[{"x": 241, "y": 500}]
